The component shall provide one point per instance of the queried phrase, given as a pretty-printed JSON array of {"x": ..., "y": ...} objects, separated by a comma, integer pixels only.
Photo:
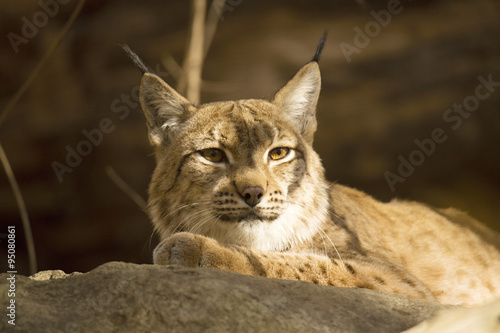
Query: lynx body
[{"x": 239, "y": 187}]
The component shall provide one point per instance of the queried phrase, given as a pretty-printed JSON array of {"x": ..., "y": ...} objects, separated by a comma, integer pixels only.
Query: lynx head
[{"x": 243, "y": 172}]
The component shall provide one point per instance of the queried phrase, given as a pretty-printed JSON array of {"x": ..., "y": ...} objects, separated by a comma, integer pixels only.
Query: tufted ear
[
  {"x": 165, "y": 109},
  {"x": 298, "y": 99}
]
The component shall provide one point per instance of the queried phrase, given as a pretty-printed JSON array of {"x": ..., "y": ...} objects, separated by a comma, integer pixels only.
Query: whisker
[
  {"x": 182, "y": 223},
  {"x": 337, "y": 217},
  {"x": 331, "y": 242},
  {"x": 202, "y": 216},
  {"x": 185, "y": 206},
  {"x": 322, "y": 232},
  {"x": 188, "y": 221},
  {"x": 150, "y": 239}
]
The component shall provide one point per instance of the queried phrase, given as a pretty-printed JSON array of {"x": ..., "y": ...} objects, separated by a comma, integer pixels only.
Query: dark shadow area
[{"x": 390, "y": 80}]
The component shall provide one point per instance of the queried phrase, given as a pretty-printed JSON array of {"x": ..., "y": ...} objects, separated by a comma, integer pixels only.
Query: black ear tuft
[
  {"x": 135, "y": 58},
  {"x": 320, "y": 47}
]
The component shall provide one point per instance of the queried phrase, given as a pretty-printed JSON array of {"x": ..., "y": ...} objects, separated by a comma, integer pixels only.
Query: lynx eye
[
  {"x": 279, "y": 153},
  {"x": 213, "y": 155}
]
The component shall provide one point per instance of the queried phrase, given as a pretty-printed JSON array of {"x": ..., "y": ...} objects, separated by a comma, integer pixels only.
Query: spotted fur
[{"x": 247, "y": 212}]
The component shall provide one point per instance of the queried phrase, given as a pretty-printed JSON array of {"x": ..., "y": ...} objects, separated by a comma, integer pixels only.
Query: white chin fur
[{"x": 278, "y": 235}]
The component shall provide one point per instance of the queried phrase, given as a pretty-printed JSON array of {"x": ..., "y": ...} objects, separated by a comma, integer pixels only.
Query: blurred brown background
[{"x": 395, "y": 90}]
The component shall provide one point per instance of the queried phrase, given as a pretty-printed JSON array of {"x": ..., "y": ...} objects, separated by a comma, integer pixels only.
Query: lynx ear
[
  {"x": 165, "y": 109},
  {"x": 298, "y": 99}
]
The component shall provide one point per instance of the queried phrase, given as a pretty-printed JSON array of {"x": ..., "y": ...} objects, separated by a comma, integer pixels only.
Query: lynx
[{"x": 239, "y": 187}]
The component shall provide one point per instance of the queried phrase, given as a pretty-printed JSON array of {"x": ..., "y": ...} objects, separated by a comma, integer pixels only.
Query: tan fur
[{"x": 302, "y": 228}]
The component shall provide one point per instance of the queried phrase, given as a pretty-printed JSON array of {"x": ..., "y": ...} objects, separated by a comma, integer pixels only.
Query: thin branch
[
  {"x": 219, "y": 87},
  {"x": 5, "y": 112},
  {"x": 213, "y": 19},
  {"x": 175, "y": 70},
  {"x": 30, "y": 244},
  {"x": 193, "y": 63},
  {"x": 126, "y": 188},
  {"x": 20, "y": 92}
]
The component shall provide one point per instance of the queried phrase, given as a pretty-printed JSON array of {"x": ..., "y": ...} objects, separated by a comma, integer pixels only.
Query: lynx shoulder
[{"x": 238, "y": 187}]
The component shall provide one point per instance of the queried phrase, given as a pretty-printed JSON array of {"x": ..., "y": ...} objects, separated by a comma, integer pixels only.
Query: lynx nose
[{"x": 252, "y": 195}]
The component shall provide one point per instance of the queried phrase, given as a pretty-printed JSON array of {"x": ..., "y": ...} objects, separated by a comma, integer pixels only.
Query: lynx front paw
[
  {"x": 180, "y": 249},
  {"x": 193, "y": 250}
]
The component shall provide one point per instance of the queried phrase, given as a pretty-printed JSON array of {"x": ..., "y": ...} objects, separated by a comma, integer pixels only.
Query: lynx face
[
  {"x": 242, "y": 172},
  {"x": 245, "y": 173}
]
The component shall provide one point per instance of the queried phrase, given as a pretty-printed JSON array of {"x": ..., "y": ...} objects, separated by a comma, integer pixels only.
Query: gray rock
[
  {"x": 124, "y": 297},
  {"x": 479, "y": 319}
]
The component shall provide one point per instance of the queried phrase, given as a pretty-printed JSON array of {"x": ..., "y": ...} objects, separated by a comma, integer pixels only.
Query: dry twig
[
  {"x": 20, "y": 92},
  {"x": 7, "y": 109},
  {"x": 126, "y": 188},
  {"x": 213, "y": 19},
  {"x": 190, "y": 81},
  {"x": 30, "y": 244}
]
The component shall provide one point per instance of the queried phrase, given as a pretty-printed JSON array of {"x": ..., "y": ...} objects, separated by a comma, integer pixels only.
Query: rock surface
[
  {"x": 124, "y": 297},
  {"x": 480, "y": 319}
]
